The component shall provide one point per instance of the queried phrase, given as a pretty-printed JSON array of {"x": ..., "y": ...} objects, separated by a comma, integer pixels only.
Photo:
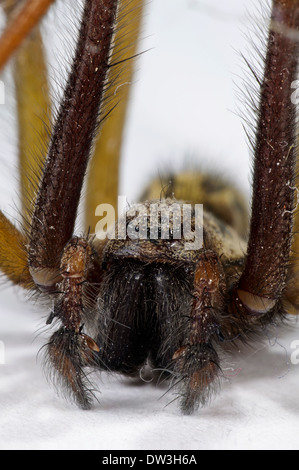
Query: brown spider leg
[
  {"x": 103, "y": 175},
  {"x": 196, "y": 361},
  {"x": 263, "y": 280},
  {"x": 22, "y": 22},
  {"x": 69, "y": 350},
  {"x": 60, "y": 189}
]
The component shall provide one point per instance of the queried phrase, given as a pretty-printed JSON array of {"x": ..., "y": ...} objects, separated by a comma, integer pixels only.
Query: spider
[{"x": 121, "y": 302}]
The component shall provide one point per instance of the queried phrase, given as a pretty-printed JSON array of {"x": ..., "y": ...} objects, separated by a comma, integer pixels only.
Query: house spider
[{"x": 119, "y": 303}]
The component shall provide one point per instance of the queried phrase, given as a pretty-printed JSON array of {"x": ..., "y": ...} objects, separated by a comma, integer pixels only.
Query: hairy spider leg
[
  {"x": 263, "y": 280},
  {"x": 13, "y": 254},
  {"x": 21, "y": 23},
  {"x": 103, "y": 174},
  {"x": 196, "y": 362},
  {"x": 33, "y": 110},
  {"x": 60, "y": 189}
]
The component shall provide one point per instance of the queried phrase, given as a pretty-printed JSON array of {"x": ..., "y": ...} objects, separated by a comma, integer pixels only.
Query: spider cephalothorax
[{"x": 147, "y": 293}]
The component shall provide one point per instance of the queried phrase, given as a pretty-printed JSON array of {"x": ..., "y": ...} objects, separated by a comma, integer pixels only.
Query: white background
[{"x": 183, "y": 106}]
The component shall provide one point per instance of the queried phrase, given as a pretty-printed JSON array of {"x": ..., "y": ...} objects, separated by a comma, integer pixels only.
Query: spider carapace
[{"x": 143, "y": 294}]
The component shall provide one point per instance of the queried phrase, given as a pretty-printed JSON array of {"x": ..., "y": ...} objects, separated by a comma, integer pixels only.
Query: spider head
[
  {"x": 163, "y": 302},
  {"x": 157, "y": 231}
]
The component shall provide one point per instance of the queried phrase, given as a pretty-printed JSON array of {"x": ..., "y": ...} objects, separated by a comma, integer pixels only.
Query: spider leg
[
  {"x": 21, "y": 23},
  {"x": 32, "y": 97},
  {"x": 103, "y": 175},
  {"x": 73, "y": 135},
  {"x": 260, "y": 288},
  {"x": 196, "y": 361},
  {"x": 58, "y": 262},
  {"x": 33, "y": 110},
  {"x": 70, "y": 350},
  {"x": 13, "y": 254}
]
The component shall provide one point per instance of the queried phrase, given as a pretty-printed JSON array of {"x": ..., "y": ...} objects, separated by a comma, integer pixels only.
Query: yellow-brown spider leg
[
  {"x": 262, "y": 283},
  {"x": 33, "y": 106},
  {"x": 103, "y": 175},
  {"x": 33, "y": 109},
  {"x": 13, "y": 254},
  {"x": 22, "y": 21}
]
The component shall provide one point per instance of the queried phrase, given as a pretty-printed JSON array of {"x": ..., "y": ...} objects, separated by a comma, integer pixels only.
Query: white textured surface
[
  {"x": 257, "y": 409},
  {"x": 181, "y": 104}
]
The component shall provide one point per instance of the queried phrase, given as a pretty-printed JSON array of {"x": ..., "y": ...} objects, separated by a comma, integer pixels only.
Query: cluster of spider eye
[{"x": 123, "y": 302}]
